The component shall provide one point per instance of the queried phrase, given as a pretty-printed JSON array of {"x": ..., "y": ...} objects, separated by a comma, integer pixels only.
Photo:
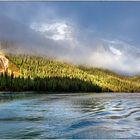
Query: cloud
[
  {"x": 122, "y": 57},
  {"x": 49, "y": 34},
  {"x": 55, "y": 31},
  {"x": 115, "y": 51},
  {"x": 64, "y": 41}
]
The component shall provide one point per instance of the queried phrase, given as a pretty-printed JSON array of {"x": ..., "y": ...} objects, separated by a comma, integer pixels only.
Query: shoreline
[{"x": 49, "y": 92}]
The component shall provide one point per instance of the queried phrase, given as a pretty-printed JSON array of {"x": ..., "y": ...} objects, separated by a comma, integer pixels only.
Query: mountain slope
[
  {"x": 92, "y": 78},
  {"x": 117, "y": 83}
]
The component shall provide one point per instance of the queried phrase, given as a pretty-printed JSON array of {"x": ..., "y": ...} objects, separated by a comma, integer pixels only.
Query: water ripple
[{"x": 72, "y": 116}]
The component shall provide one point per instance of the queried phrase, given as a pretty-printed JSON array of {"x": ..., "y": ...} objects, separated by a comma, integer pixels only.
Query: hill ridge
[{"x": 98, "y": 80}]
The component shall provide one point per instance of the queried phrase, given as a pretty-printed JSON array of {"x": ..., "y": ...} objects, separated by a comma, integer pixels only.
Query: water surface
[{"x": 107, "y": 115}]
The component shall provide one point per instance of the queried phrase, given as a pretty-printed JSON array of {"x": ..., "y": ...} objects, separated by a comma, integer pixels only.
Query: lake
[{"x": 81, "y": 116}]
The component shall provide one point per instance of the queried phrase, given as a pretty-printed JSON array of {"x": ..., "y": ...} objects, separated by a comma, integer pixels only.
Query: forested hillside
[{"x": 27, "y": 73}]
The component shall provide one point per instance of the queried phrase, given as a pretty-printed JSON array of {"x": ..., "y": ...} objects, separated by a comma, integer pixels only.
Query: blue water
[{"x": 78, "y": 116}]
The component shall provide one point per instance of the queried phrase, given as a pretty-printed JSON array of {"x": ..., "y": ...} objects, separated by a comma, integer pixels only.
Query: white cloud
[
  {"x": 115, "y": 51},
  {"x": 115, "y": 55},
  {"x": 55, "y": 31}
]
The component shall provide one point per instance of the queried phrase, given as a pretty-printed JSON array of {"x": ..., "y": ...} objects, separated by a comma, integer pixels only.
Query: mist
[{"x": 45, "y": 33}]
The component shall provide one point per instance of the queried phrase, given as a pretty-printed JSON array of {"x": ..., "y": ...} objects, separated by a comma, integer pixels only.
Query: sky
[{"x": 97, "y": 34}]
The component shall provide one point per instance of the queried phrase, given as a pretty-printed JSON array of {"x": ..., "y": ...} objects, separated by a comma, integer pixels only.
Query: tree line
[
  {"x": 51, "y": 84},
  {"x": 39, "y": 73}
]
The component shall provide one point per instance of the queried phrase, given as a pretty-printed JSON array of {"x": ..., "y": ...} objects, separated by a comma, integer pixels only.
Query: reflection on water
[{"x": 70, "y": 116}]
